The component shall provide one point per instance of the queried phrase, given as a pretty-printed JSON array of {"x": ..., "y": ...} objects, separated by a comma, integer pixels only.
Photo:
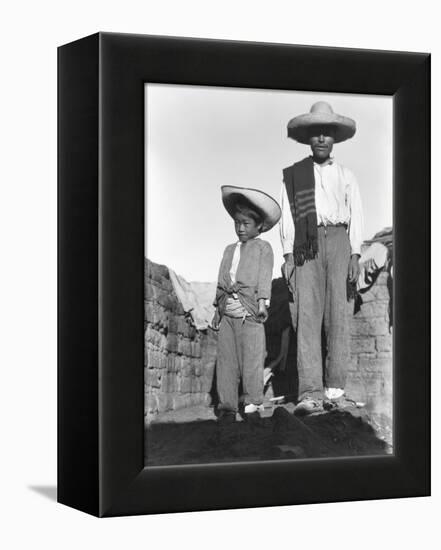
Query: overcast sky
[{"x": 200, "y": 138}]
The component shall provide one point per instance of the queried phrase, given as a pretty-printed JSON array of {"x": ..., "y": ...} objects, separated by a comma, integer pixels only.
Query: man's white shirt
[{"x": 337, "y": 200}]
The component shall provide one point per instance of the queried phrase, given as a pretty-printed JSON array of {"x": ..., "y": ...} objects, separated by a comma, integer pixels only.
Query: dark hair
[{"x": 244, "y": 207}]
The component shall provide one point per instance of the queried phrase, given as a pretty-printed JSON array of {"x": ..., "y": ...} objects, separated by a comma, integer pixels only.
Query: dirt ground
[{"x": 193, "y": 436}]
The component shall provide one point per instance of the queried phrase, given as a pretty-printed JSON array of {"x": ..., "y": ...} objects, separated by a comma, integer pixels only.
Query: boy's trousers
[
  {"x": 240, "y": 355},
  {"x": 320, "y": 300}
]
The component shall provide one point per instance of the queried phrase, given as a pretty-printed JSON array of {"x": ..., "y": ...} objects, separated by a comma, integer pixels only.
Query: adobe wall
[
  {"x": 178, "y": 359},
  {"x": 370, "y": 374}
]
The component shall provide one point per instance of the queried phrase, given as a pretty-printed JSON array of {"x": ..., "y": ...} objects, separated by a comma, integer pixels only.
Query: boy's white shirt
[
  {"x": 235, "y": 261},
  {"x": 337, "y": 200}
]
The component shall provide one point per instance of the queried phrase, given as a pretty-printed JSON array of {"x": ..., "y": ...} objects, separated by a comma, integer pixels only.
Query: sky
[{"x": 198, "y": 138}]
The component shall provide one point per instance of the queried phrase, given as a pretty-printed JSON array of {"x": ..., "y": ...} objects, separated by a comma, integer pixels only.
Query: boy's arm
[
  {"x": 219, "y": 278},
  {"x": 219, "y": 292},
  {"x": 265, "y": 273}
]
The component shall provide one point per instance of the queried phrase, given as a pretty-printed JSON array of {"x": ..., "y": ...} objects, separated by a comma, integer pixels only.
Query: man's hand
[
  {"x": 354, "y": 268},
  {"x": 216, "y": 320},
  {"x": 262, "y": 313},
  {"x": 288, "y": 267}
]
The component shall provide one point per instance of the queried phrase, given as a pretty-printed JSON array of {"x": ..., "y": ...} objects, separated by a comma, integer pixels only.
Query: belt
[{"x": 345, "y": 225}]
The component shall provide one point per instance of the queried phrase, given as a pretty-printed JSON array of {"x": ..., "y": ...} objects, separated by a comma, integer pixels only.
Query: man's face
[{"x": 321, "y": 140}]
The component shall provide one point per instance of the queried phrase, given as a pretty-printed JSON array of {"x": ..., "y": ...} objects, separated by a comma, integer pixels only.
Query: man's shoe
[
  {"x": 252, "y": 413},
  {"x": 251, "y": 408},
  {"x": 308, "y": 406}
]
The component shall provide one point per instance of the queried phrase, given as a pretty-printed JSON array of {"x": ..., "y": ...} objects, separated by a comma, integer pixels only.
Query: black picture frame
[{"x": 101, "y": 274}]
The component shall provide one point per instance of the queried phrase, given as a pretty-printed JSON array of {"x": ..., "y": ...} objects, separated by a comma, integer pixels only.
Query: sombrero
[
  {"x": 321, "y": 113},
  {"x": 263, "y": 203}
]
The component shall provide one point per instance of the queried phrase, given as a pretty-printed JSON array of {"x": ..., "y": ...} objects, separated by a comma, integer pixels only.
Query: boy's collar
[{"x": 253, "y": 239}]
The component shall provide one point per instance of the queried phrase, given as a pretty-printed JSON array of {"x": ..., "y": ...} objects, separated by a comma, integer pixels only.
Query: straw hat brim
[
  {"x": 264, "y": 204},
  {"x": 298, "y": 127}
]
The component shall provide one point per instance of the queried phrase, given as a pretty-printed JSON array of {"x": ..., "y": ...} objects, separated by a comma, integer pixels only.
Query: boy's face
[
  {"x": 246, "y": 228},
  {"x": 321, "y": 140}
]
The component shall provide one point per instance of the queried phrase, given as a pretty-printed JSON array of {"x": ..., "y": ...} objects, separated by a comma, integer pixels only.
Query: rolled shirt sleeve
[{"x": 286, "y": 223}]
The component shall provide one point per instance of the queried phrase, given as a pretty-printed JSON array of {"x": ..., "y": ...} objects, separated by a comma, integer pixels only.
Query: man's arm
[
  {"x": 287, "y": 234},
  {"x": 286, "y": 224},
  {"x": 356, "y": 212},
  {"x": 355, "y": 228}
]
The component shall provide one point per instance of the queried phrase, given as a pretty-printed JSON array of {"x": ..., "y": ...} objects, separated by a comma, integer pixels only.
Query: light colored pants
[
  {"x": 240, "y": 355},
  {"x": 320, "y": 301}
]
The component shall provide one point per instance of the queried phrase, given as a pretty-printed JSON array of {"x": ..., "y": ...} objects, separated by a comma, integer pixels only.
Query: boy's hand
[
  {"x": 262, "y": 312},
  {"x": 354, "y": 268},
  {"x": 216, "y": 320}
]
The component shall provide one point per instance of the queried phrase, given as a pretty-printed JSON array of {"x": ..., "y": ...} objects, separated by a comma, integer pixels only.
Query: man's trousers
[
  {"x": 319, "y": 289},
  {"x": 240, "y": 355}
]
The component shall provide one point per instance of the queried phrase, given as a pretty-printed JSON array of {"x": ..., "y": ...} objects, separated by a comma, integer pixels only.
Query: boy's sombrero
[
  {"x": 321, "y": 113},
  {"x": 263, "y": 203}
]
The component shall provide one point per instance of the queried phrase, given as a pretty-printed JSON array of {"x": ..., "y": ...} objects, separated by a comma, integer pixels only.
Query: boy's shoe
[
  {"x": 342, "y": 403},
  {"x": 251, "y": 408},
  {"x": 308, "y": 406}
]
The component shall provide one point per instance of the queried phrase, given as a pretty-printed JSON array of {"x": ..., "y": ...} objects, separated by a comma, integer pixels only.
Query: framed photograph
[{"x": 244, "y": 303}]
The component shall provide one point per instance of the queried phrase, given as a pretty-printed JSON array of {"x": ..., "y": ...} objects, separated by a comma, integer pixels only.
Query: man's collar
[{"x": 327, "y": 163}]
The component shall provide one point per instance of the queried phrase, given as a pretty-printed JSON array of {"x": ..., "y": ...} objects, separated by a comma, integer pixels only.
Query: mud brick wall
[
  {"x": 179, "y": 360},
  {"x": 370, "y": 374}
]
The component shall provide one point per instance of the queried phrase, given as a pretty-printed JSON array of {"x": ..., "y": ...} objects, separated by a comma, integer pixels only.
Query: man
[{"x": 321, "y": 233}]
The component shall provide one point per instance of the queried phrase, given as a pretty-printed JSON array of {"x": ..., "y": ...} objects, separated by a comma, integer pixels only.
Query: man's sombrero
[
  {"x": 265, "y": 205},
  {"x": 321, "y": 113}
]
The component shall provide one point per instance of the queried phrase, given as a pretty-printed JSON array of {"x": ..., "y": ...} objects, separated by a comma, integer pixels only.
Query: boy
[{"x": 242, "y": 295}]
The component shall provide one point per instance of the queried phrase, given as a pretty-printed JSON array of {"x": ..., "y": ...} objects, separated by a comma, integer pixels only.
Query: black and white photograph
[
  {"x": 219, "y": 237},
  {"x": 268, "y": 275}
]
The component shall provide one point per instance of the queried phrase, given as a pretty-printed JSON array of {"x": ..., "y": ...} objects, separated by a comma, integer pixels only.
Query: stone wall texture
[
  {"x": 370, "y": 374},
  {"x": 179, "y": 360}
]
